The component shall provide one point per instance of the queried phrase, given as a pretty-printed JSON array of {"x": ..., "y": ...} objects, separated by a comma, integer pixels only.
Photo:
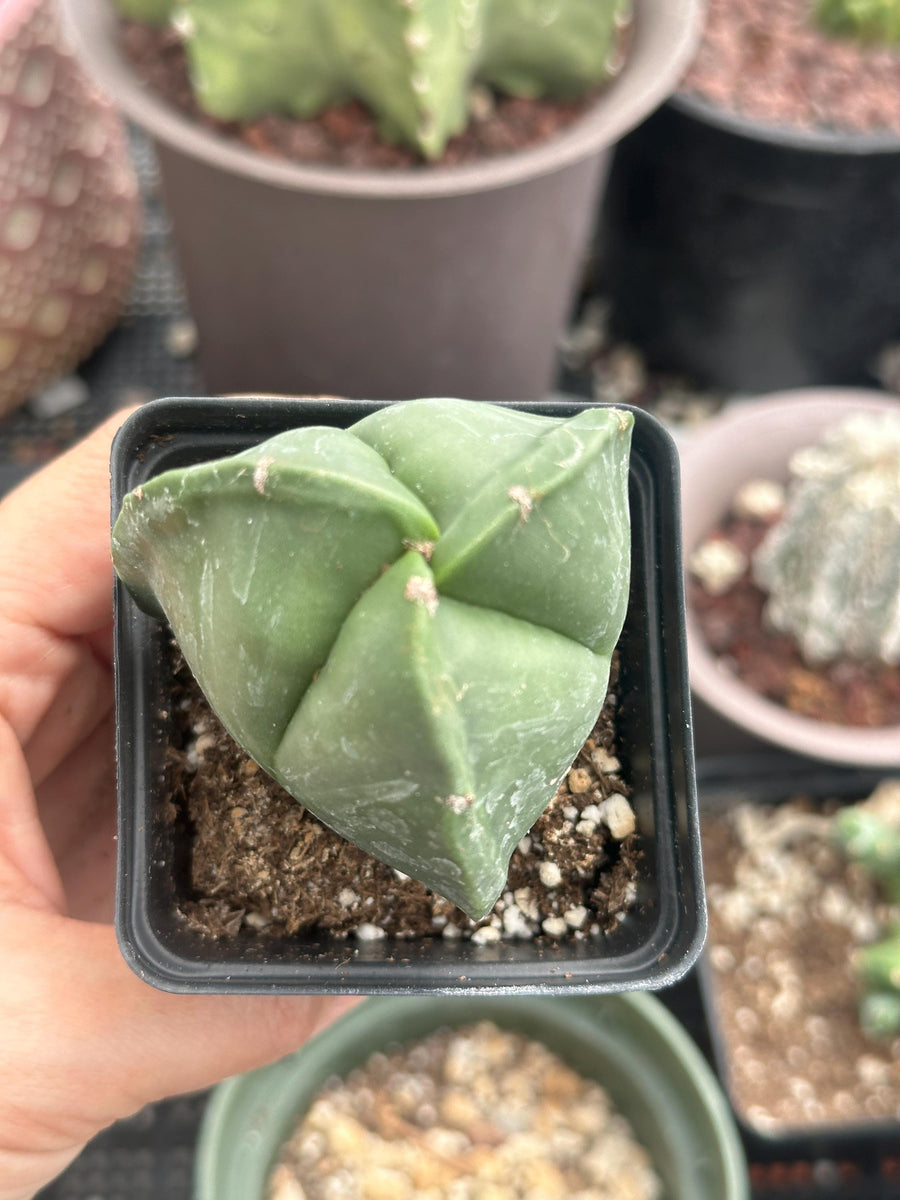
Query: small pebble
[
  {"x": 181, "y": 339},
  {"x": 485, "y": 935},
  {"x": 718, "y": 564},
  {"x": 579, "y": 781},
  {"x": 347, "y": 898},
  {"x": 555, "y": 927},
  {"x": 760, "y": 500},
  {"x": 604, "y": 762},
  {"x": 59, "y": 397}
]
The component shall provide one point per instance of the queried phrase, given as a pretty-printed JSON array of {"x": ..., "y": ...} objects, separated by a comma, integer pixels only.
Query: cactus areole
[
  {"x": 411, "y": 61},
  {"x": 407, "y": 623}
]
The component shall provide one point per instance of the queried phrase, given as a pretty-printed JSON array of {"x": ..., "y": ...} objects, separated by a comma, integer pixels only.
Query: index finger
[{"x": 54, "y": 531}]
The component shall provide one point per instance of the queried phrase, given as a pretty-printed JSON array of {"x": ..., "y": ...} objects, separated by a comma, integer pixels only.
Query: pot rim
[
  {"x": 726, "y": 693},
  {"x": 581, "y": 1016},
  {"x": 667, "y": 33},
  {"x": 788, "y": 137}
]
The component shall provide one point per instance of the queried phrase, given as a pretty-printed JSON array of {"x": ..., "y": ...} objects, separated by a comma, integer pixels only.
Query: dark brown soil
[
  {"x": 786, "y": 913},
  {"x": 347, "y": 135},
  {"x": 768, "y": 60},
  {"x": 260, "y": 861},
  {"x": 842, "y": 692}
]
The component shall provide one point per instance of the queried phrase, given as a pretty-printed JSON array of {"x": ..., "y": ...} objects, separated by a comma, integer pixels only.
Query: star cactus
[
  {"x": 407, "y": 623},
  {"x": 411, "y": 61}
]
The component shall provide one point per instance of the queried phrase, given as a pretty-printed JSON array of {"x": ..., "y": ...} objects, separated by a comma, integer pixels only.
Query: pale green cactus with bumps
[
  {"x": 831, "y": 566},
  {"x": 869, "y": 20},
  {"x": 869, "y": 834},
  {"x": 408, "y": 623},
  {"x": 411, "y": 61}
]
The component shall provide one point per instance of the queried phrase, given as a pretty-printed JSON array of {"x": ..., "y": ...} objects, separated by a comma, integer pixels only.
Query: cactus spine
[
  {"x": 831, "y": 566},
  {"x": 411, "y": 61},
  {"x": 869, "y": 20},
  {"x": 408, "y": 623}
]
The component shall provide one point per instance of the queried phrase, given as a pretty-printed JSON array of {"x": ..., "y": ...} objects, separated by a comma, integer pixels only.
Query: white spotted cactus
[
  {"x": 831, "y": 566},
  {"x": 411, "y": 61},
  {"x": 409, "y": 623},
  {"x": 69, "y": 206}
]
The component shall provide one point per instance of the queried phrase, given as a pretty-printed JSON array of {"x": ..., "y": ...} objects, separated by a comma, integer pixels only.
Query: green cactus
[
  {"x": 154, "y": 12},
  {"x": 869, "y": 834},
  {"x": 831, "y": 566},
  {"x": 869, "y": 20},
  {"x": 411, "y": 61},
  {"x": 408, "y": 623}
]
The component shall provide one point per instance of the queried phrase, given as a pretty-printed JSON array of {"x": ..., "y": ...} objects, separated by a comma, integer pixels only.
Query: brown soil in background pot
[
  {"x": 786, "y": 913},
  {"x": 261, "y": 862},
  {"x": 843, "y": 692},
  {"x": 347, "y": 134},
  {"x": 768, "y": 60}
]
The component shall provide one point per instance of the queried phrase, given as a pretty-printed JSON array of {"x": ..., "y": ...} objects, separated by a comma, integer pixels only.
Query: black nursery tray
[
  {"x": 656, "y": 943},
  {"x": 865, "y": 1149}
]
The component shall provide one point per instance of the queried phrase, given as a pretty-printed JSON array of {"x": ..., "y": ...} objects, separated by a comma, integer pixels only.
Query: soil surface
[
  {"x": 842, "y": 692},
  {"x": 261, "y": 862},
  {"x": 477, "y": 1113},
  {"x": 786, "y": 912},
  {"x": 347, "y": 134},
  {"x": 768, "y": 60}
]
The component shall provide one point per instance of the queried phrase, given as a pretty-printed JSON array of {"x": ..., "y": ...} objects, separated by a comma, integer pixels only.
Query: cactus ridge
[
  {"x": 423, "y": 703},
  {"x": 411, "y": 61},
  {"x": 831, "y": 566}
]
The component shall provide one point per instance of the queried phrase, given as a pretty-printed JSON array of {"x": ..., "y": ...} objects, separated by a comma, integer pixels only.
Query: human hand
[{"x": 83, "y": 1041}]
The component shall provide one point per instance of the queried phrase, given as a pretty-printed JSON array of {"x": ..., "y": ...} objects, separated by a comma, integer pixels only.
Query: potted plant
[
  {"x": 748, "y": 234},
  {"x": 652, "y": 1073},
  {"x": 69, "y": 209},
  {"x": 801, "y": 871},
  {"x": 372, "y": 759},
  {"x": 747, "y": 659},
  {"x": 390, "y": 283}
]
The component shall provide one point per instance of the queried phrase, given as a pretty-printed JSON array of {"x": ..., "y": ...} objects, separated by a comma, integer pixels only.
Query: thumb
[{"x": 88, "y": 1042}]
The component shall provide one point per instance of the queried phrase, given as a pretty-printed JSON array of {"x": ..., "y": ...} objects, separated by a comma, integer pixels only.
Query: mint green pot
[{"x": 630, "y": 1044}]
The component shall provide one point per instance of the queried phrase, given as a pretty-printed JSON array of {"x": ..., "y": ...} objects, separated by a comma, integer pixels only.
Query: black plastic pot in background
[
  {"x": 751, "y": 256},
  {"x": 773, "y": 779},
  {"x": 656, "y": 943}
]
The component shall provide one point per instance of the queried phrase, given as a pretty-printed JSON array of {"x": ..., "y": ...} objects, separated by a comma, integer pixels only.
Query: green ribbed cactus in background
[
  {"x": 831, "y": 566},
  {"x": 869, "y": 834},
  {"x": 154, "y": 12},
  {"x": 869, "y": 20},
  {"x": 408, "y": 623},
  {"x": 411, "y": 61}
]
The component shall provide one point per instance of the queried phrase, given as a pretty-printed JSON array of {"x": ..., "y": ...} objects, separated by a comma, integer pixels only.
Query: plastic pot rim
[
  {"x": 789, "y": 137},
  {"x": 651, "y": 1012},
  {"x": 667, "y": 33},
  {"x": 722, "y": 438}
]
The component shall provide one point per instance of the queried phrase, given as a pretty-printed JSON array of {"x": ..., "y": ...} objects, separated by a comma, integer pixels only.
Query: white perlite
[
  {"x": 367, "y": 932},
  {"x": 618, "y": 816},
  {"x": 550, "y": 874}
]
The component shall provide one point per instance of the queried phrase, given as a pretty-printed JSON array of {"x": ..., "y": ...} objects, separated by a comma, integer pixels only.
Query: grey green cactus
[
  {"x": 831, "y": 566},
  {"x": 408, "y": 623},
  {"x": 869, "y": 20},
  {"x": 869, "y": 834},
  {"x": 411, "y": 61}
]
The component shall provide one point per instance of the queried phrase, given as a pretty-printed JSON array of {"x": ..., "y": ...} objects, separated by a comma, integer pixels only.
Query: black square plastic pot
[
  {"x": 656, "y": 943},
  {"x": 773, "y": 779}
]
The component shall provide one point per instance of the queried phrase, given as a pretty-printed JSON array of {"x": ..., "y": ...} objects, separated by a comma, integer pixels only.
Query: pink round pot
[
  {"x": 69, "y": 205},
  {"x": 756, "y": 439}
]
